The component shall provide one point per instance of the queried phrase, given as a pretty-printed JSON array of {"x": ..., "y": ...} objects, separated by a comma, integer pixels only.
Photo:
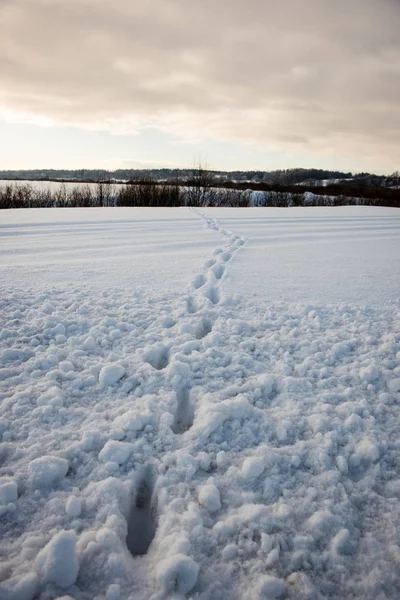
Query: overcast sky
[{"x": 242, "y": 83}]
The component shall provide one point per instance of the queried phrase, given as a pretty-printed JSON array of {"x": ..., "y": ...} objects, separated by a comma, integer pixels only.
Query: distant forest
[
  {"x": 198, "y": 187},
  {"x": 307, "y": 177}
]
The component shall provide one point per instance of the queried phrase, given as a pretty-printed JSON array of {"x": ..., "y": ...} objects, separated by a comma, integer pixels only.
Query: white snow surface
[
  {"x": 146, "y": 250},
  {"x": 316, "y": 254},
  {"x": 200, "y": 404}
]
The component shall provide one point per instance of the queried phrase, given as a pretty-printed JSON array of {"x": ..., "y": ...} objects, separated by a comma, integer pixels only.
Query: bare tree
[
  {"x": 201, "y": 186},
  {"x": 105, "y": 193}
]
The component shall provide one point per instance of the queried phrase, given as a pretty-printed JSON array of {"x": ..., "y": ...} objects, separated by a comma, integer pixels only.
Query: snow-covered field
[
  {"x": 46, "y": 185},
  {"x": 200, "y": 404}
]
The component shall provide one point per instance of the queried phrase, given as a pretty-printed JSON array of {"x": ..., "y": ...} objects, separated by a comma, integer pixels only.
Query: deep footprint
[
  {"x": 209, "y": 263},
  {"x": 184, "y": 415},
  {"x": 218, "y": 271},
  {"x": 203, "y": 329},
  {"x": 213, "y": 295},
  {"x": 142, "y": 522},
  {"x": 191, "y": 307},
  {"x": 199, "y": 281},
  {"x": 158, "y": 358}
]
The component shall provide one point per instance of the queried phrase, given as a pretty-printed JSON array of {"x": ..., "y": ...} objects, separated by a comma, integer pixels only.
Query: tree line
[
  {"x": 309, "y": 177},
  {"x": 201, "y": 190}
]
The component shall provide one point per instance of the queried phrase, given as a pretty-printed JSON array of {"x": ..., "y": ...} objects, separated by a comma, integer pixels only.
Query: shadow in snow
[
  {"x": 142, "y": 521},
  {"x": 184, "y": 415}
]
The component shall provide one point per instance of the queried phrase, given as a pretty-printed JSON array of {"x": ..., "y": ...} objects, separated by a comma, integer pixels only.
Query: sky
[{"x": 255, "y": 84}]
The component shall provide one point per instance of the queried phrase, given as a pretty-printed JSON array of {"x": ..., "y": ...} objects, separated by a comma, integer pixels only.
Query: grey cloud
[{"x": 314, "y": 72}]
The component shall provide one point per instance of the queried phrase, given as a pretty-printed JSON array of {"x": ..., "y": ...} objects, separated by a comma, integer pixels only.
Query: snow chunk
[
  {"x": 353, "y": 422},
  {"x": 12, "y": 354},
  {"x": 113, "y": 592},
  {"x": 66, "y": 366},
  {"x": 73, "y": 507},
  {"x": 58, "y": 330},
  {"x": 342, "y": 465},
  {"x": 20, "y": 588},
  {"x": 175, "y": 543},
  {"x": 266, "y": 543},
  {"x": 210, "y": 416},
  {"x": 366, "y": 450},
  {"x": 179, "y": 373},
  {"x": 188, "y": 464},
  {"x": 47, "y": 471},
  {"x": 178, "y": 573},
  {"x": 89, "y": 344},
  {"x": 393, "y": 488},
  {"x": 271, "y": 587},
  {"x": 204, "y": 460},
  {"x": 266, "y": 383},
  {"x": 369, "y": 374},
  {"x": 229, "y": 552},
  {"x": 393, "y": 385},
  {"x": 57, "y": 562},
  {"x": 341, "y": 543},
  {"x": 4, "y": 424},
  {"x": 221, "y": 459},
  {"x": 340, "y": 350},
  {"x": 7, "y": 373},
  {"x": 52, "y": 397},
  {"x": 209, "y": 497},
  {"x": 322, "y": 522},
  {"x": 130, "y": 421},
  {"x": 8, "y": 490},
  {"x": 116, "y": 452},
  {"x": 253, "y": 467},
  {"x": 111, "y": 374}
]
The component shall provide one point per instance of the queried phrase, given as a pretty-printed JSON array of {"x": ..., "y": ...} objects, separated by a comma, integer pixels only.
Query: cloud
[
  {"x": 315, "y": 73},
  {"x": 133, "y": 163}
]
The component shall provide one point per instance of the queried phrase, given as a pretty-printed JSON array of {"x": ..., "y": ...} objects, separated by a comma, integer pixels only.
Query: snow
[
  {"x": 370, "y": 373},
  {"x": 252, "y": 467},
  {"x": 57, "y": 562},
  {"x": 116, "y": 452},
  {"x": 393, "y": 385},
  {"x": 271, "y": 587},
  {"x": 177, "y": 573},
  {"x": 210, "y": 498},
  {"x": 111, "y": 374},
  {"x": 102, "y": 248},
  {"x": 200, "y": 404},
  {"x": 23, "y": 587},
  {"x": 46, "y": 471},
  {"x": 73, "y": 507},
  {"x": 8, "y": 490},
  {"x": 313, "y": 255}
]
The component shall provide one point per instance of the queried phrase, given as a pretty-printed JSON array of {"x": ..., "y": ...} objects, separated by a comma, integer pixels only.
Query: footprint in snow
[
  {"x": 204, "y": 328},
  {"x": 142, "y": 520},
  {"x": 212, "y": 293},
  {"x": 199, "y": 281},
  {"x": 218, "y": 271},
  {"x": 158, "y": 357},
  {"x": 191, "y": 307},
  {"x": 184, "y": 416},
  {"x": 209, "y": 263}
]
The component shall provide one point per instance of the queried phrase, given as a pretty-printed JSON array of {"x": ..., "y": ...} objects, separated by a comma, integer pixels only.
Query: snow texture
[
  {"x": 200, "y": 404},
  {"x": 210, "y": 498},
  {"x": 111, "y": 374},
  {"x": 57, "y": 562},
  {"x": 177, "y": 573}
]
